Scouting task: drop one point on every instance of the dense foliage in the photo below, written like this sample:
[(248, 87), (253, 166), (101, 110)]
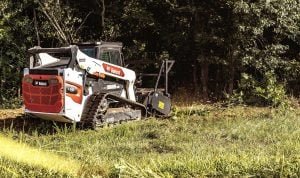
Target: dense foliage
[(248, 50)]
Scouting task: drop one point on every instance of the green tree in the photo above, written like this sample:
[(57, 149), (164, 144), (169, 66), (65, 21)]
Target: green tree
[(267, 32), (15, 36)]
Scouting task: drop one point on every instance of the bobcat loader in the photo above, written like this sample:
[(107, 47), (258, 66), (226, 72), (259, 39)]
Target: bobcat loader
[(89, 83)]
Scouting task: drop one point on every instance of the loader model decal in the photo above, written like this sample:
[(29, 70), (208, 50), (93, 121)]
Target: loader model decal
[(113, 70)]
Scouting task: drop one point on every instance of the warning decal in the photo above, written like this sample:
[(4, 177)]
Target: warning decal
[(161, 105)]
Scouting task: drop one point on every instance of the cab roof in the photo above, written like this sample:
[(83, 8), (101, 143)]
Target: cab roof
[(101, 43)]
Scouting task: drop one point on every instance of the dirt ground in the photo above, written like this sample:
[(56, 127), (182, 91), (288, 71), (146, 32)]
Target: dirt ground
[(10, 113)]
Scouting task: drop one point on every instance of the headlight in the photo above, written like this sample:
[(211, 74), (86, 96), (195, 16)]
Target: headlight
[(53, 81), (74, 91), (71, 89), (27, 79)]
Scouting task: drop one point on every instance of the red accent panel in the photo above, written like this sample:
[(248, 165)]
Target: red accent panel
[(77, 98), (43, 98), (113, 70), (46, 91)]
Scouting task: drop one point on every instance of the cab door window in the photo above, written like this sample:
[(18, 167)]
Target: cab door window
[(111, 56)]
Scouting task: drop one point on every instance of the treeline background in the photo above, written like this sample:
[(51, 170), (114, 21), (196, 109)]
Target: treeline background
[(243, 51)]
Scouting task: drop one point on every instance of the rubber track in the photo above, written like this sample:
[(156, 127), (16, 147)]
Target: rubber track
[(90, 110), (92, 117)]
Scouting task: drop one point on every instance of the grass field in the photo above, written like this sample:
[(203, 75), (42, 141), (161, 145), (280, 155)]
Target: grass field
[(197, 141)]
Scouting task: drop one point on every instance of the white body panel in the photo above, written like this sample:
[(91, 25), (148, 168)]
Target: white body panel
[(47, 59), (73, 110)]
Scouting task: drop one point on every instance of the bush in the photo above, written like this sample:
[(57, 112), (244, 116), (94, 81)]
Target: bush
[(10, 103), (267, 92)]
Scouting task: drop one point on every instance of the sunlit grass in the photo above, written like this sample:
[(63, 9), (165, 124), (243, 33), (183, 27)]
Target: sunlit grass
[(33, 157), (198, 141)]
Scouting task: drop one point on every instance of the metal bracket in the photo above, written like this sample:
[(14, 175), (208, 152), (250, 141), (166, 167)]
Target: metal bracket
[(164, 70)]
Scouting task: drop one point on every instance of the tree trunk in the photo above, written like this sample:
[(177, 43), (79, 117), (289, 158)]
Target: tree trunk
[(36, 28), (204, 79), (1, 77), (103, 14), (231, 80), (55, 23), (231, 73), (195, 78), (217, 88), (101, 5)]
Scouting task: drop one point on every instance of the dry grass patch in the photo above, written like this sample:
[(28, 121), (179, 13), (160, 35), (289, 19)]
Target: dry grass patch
[(10, 113)]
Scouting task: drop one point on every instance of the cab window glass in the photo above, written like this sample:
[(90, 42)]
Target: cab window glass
[(111, 56), (105, 56), (89, 51)]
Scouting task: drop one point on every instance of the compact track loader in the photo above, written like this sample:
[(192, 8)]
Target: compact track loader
[(89, 83)]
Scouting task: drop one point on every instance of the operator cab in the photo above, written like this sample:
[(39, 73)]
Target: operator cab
[(110, 52)]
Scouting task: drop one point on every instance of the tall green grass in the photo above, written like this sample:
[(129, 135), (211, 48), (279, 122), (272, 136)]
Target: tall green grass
[(196, 142)]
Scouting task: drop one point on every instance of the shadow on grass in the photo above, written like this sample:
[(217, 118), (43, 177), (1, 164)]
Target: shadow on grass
[(32, 125)]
